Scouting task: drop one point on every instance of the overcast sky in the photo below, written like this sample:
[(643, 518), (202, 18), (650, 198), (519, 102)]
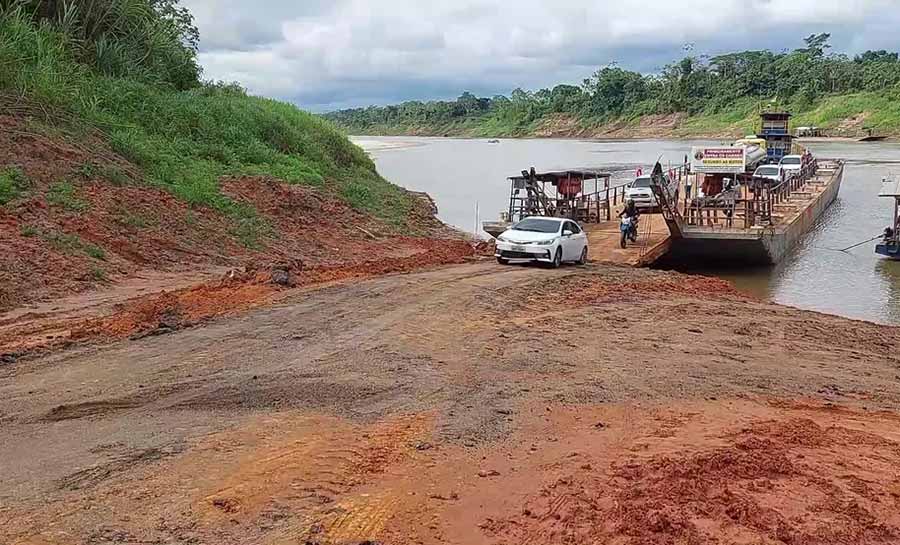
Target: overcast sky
[(328, 54)]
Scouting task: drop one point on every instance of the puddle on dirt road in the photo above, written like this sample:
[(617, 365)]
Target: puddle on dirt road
[(459, 173)]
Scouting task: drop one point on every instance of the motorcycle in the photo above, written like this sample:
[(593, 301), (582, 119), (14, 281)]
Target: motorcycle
[(628, 228)]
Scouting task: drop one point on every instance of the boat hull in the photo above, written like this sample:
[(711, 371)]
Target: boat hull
[(890, 251), (495, 228), (755, 246)]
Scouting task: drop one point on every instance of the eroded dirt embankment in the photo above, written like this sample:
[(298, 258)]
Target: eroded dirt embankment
[(93, 252), (475, 404), (151, 308), (80, 217)]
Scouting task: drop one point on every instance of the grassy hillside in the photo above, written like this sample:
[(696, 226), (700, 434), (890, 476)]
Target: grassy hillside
[(183, 137), (116, 159)]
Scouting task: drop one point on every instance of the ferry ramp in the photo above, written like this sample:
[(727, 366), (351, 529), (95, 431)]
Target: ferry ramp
[(653, 242)]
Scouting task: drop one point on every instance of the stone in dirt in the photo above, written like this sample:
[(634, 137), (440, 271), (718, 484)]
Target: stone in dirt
[(282, 277)]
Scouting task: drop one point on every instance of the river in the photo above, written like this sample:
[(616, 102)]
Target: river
[(464, 174)]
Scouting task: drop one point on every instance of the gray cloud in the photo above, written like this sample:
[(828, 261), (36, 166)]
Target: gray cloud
[(339, 53)]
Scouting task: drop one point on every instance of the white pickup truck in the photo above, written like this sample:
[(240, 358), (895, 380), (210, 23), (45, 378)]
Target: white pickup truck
[(641, 191)]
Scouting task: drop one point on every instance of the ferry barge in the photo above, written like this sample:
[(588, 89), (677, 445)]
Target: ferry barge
[(716, 207)]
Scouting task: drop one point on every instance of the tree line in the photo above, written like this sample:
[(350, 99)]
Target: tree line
[(694, 84)]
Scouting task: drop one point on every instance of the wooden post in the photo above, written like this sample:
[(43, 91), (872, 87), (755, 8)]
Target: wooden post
[(608, 212)]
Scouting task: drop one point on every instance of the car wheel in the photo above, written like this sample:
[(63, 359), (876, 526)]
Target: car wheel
[(502, 261), (557, 259), (584, 256)]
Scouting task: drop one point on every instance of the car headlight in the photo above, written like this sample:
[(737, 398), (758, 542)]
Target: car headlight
[(501, 238), (545, 242)]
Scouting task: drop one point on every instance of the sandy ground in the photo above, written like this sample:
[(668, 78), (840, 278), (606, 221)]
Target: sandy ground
[(469, 404), (374, 144)]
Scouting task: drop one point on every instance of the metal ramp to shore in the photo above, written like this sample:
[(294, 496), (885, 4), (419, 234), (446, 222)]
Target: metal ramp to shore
[(653, 242), (655, 231)]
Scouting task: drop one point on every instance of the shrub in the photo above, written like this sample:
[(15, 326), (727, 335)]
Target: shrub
[(62, 195), (13, 183)]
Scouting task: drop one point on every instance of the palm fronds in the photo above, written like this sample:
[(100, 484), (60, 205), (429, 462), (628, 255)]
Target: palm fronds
[(151, 40)]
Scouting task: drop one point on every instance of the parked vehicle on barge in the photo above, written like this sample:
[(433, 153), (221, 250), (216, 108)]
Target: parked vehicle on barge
[(719, 209), (742, 218)]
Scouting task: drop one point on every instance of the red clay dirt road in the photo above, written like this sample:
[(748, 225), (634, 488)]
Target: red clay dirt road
[(474, 404)]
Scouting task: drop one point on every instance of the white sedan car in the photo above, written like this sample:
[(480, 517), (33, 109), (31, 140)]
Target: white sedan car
[(548, 240), (770, 172)]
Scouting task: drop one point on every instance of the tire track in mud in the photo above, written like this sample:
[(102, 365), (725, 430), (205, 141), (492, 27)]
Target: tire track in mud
[(318, 481), (297, 417), (119, 463)]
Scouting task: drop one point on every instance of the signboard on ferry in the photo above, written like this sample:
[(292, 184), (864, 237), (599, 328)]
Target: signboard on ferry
[(718, 159)]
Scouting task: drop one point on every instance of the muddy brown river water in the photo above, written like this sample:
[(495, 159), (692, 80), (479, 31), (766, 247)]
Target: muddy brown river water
[(464, 174)]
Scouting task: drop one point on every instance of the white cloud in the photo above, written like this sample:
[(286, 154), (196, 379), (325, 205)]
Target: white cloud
[(346, 52)]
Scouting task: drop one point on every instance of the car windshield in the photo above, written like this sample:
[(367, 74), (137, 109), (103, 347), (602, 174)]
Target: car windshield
[(790, 161), (536, 225), (641, 182), (767, 171)]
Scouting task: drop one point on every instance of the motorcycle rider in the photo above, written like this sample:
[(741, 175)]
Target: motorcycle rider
[(631, 211)]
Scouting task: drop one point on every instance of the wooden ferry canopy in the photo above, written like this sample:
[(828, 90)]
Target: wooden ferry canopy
[(890, 188), (554, 176)]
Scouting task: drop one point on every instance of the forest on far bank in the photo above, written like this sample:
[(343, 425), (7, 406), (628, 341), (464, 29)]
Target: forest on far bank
[(716, 94)]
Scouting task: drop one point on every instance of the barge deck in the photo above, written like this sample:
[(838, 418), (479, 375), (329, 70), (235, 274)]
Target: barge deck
[(757, 229), (654, 241), (754, 222)]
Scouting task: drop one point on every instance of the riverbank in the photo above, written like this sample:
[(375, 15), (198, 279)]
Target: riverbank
[(348, 413), (840, 116), (649, 127), (374, 144)]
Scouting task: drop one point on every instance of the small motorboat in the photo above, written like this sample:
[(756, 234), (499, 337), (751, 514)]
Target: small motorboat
[(871, 136), (889, 245), (495, 228)]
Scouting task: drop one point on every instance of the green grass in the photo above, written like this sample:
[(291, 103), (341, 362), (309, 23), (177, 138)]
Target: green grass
[(62, 195), (90, 171), (13, 184), (128, 218), (94, 251), (72, 244), (184, 141), (881, 111), (98, 273), (28, 231)]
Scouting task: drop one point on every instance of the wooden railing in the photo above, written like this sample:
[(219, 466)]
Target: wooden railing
[(752, 203), (782, 191), (598, 206)]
